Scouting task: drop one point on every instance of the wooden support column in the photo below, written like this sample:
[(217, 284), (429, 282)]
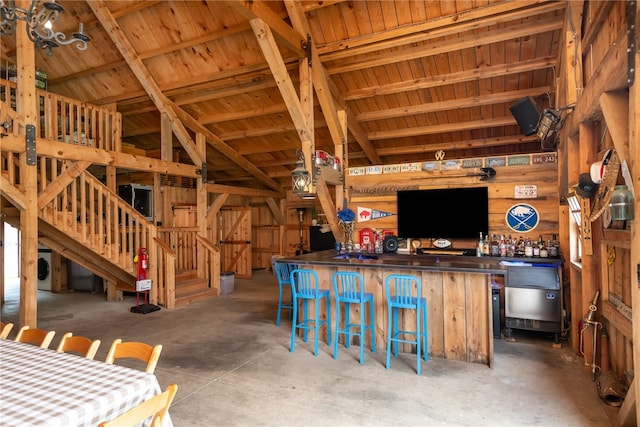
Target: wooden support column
[(590, 268), (306, 104), (634, 261), (341, 153), (28, 111), (201, 206)]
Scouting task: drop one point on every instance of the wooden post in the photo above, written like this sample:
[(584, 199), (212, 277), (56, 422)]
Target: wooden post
[(28, 111)]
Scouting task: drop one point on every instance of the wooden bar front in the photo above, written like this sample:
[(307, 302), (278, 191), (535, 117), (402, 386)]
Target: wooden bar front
[(457, 289)]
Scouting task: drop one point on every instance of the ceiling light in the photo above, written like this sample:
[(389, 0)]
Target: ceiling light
[(301, 178), (40, 18)]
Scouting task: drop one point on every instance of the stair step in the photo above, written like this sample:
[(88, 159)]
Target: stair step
[(195, 296), (182, 275), (192, 285)]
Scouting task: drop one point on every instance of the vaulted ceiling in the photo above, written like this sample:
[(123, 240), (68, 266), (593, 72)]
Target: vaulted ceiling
[(414, 77)]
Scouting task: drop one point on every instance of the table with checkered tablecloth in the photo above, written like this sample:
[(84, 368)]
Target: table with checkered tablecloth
[(41, 387)]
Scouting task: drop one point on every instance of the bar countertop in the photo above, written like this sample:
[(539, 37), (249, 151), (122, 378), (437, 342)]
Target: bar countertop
[(443, 262)]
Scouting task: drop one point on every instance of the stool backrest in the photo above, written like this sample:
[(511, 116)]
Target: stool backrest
[(283, 272), (401, 286), (348, 285), (304, 282)]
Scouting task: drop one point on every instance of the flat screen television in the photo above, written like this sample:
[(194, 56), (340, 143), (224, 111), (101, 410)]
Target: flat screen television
[(450, 213)]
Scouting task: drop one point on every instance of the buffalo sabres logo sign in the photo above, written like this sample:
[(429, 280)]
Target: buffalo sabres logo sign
[(522, 218)]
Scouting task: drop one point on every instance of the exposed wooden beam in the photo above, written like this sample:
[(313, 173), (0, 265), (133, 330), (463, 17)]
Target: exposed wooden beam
[(61, 150), (448, 127), (217, 143), (451, 78), (275, 211), (494, 14), (610, 75), (242, 191), (285, 34), (61, 181), (12, 194), (436, 48), (615, 109), (326, 92), (456, 145), (125, 48), (287, 89), (432, 107)]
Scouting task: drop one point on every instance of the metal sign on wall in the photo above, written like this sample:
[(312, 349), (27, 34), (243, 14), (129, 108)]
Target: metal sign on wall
[(522, 218)]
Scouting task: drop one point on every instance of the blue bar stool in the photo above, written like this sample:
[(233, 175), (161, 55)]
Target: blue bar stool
[(399, 289), (283, 273), (348, 288), (304, 286)]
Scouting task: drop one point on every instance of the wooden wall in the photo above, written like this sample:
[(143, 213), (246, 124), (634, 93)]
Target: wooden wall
[(378, 191)]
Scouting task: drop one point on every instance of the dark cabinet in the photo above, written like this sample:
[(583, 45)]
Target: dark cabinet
[(319, 241)]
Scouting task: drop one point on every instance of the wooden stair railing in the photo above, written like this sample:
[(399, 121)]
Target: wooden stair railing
[(68, 120), (76, 204), (166, 282), (213, 252)]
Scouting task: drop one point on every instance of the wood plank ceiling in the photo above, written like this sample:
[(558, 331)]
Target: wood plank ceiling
[(414, 77)]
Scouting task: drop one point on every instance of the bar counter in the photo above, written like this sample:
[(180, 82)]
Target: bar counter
[(457, 289)]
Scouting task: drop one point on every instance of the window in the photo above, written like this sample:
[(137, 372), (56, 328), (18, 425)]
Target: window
[(575, 228)]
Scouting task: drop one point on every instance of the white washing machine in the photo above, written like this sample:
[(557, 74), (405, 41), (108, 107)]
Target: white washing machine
[(44, 268)]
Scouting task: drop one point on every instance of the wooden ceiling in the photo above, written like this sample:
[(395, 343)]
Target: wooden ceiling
[(414, 77)]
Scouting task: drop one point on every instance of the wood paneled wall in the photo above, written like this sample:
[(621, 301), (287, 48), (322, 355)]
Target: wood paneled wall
[(378, 191)]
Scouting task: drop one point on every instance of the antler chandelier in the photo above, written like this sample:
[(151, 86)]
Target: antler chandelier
[(40, 18)]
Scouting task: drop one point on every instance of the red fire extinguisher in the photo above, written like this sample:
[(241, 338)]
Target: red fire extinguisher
[(143, 266)]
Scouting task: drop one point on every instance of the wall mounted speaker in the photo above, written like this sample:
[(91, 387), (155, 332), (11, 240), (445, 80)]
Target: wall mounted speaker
[(390, 244), (526, 114)]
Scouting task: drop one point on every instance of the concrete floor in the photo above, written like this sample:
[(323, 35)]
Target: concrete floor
[(233, 367)]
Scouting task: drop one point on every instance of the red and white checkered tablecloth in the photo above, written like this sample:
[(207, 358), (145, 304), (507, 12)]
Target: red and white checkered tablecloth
[(44, 388)]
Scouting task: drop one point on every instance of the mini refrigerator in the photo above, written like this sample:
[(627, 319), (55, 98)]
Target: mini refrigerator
[(533, 298)]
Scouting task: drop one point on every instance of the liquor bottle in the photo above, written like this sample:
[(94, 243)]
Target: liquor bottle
[(495, 246), (536, 248), (485, 246), (480, 246), (544, 250), (554, 248), (528, 248), (520, 250), (503, 246), (511, 247)]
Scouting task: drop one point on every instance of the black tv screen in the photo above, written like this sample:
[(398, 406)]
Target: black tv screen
[(451, 213)]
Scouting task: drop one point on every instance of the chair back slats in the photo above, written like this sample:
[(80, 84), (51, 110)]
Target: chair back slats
[(348, 285), (283, 272), (306, 283), (404, 289)]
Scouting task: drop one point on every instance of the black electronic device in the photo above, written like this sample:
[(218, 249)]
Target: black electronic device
[(451, 213), (526, 113), (390, 243)]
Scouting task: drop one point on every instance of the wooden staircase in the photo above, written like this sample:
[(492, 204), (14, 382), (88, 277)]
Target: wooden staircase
[(85, 221), (190, 288)]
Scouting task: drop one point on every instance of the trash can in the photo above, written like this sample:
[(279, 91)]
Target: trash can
[(226, 282)]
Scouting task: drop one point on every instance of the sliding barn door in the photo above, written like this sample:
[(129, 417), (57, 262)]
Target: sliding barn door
[(235, 241)]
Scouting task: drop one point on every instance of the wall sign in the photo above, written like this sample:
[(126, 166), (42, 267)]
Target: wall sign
[(525, 191), (522, 218)]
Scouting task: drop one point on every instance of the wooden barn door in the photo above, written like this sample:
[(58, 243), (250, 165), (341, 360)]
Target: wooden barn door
[(235, 239)]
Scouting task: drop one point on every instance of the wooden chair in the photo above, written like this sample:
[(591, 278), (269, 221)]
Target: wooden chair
[(35, 336), (5, 328), (156, 407), (78, 344), (135, 350)]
